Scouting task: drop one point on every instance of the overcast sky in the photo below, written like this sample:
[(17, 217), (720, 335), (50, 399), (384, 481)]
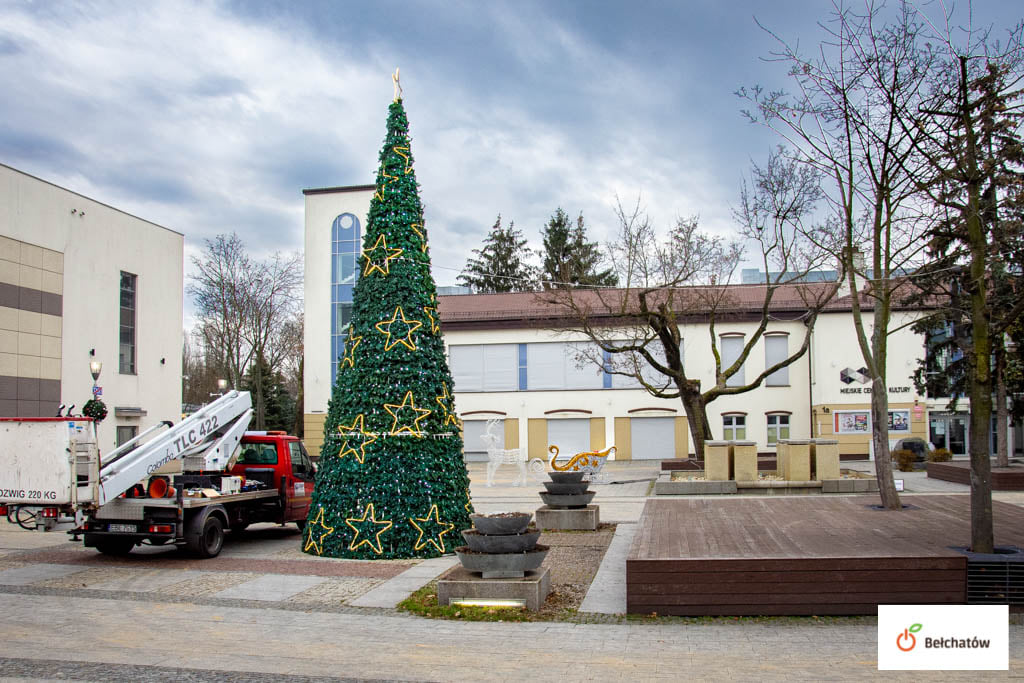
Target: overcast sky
[(211, 117)]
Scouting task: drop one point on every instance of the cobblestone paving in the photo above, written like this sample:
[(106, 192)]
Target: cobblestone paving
[(335, 591), (41, 669), (10, 564), (81, 579), (208, 584)]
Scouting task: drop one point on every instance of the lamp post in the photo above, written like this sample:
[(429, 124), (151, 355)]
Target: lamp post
[(94, 368), (222, 385)]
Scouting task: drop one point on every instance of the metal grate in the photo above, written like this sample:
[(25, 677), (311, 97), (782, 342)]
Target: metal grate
[(995, 581)]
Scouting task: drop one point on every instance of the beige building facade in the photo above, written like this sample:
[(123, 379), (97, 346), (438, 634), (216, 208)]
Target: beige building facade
[(80, 282), (508, 366)]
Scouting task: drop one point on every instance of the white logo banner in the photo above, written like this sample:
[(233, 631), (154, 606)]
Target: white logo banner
[(943, 637)]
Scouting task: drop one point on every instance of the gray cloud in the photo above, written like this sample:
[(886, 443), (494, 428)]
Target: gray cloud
[(211, 118)]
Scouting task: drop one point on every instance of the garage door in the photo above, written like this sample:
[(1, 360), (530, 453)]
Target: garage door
[(571, 437), (653, 438), (473, 445)]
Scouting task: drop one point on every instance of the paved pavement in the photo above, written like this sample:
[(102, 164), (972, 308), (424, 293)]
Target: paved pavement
[(264, 610)]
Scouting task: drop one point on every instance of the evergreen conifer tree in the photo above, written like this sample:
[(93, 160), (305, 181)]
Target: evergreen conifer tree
[(500, 266), (392, 482), (568, 257)]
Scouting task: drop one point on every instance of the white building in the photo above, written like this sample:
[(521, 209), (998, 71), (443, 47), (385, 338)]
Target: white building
[(510, 361), (81, 281)]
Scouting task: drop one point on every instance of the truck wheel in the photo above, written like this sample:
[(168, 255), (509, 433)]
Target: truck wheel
[(301, 523), (210, 540), (115, 546)]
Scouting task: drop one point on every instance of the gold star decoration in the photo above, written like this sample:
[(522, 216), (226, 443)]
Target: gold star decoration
[(365, 528), (423, 238), (351, 430), (349, 357), (398, 149), (312, 541), (381, 262), (404, 339), (407, 404), (469, 503), (430, 311), (435, 537), (445, 401)]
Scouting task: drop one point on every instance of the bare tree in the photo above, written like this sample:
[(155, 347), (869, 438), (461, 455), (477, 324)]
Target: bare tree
[(686, 278), (846, 118), (247, 311)]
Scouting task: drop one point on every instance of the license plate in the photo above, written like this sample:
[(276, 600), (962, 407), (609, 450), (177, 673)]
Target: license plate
[(123, 528)]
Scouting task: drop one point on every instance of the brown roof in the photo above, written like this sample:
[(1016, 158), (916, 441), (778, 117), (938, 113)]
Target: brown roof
[(529, 309)]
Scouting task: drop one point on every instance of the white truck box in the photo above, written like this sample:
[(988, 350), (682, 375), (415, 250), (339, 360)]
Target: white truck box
[(48, 461)]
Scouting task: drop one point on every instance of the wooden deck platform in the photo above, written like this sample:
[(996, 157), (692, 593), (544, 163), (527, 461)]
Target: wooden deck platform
[(779, 556), (959, 471)]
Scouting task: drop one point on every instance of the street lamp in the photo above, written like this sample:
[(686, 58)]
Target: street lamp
[(95, 367), (222, 386)]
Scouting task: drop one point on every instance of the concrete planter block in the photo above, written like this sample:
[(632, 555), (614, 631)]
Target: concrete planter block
[(666, 487), (533, 588), (798, 459), (586, 519), (830, 486), (826, 458), (861, 485), (716, 460), (744, 460), (781, 458)]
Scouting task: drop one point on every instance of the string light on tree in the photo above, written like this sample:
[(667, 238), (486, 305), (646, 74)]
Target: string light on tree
[(385, 456)]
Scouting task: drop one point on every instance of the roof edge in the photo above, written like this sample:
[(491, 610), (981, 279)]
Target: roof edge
[(340, 188)]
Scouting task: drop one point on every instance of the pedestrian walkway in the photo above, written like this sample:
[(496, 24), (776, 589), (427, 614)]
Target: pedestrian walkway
[(607, 594)]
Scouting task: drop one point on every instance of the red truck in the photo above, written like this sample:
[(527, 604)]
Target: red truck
[(230, 478)]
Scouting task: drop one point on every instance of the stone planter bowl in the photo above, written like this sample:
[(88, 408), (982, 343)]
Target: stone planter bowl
[(504, 525), (566, 489), (567, 477), (508, 565), (567, 501), (513, 543)]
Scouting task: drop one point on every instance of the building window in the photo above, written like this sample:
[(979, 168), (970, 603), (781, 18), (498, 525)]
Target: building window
[(734, 427), (345, 242), (554, 365), (732, 349), (127, 331), (126, 433), (485, 367), (776, 350), (778, 428)]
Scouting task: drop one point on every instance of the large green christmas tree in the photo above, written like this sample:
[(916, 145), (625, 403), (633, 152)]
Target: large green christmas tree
[(392, 481)]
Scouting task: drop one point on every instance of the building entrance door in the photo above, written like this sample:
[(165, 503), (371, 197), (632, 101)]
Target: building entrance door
[(948, 431)]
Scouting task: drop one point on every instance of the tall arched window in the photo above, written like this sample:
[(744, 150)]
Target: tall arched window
[(346, 238)]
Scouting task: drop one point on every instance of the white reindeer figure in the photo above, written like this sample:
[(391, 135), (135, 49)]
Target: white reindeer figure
[(498, 456)]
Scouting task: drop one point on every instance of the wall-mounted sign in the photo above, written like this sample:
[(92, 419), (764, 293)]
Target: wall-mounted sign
[(899, 421), (851, 422)]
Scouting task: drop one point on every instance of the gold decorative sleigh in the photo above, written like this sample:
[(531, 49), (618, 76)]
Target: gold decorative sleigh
[(590, 462)]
